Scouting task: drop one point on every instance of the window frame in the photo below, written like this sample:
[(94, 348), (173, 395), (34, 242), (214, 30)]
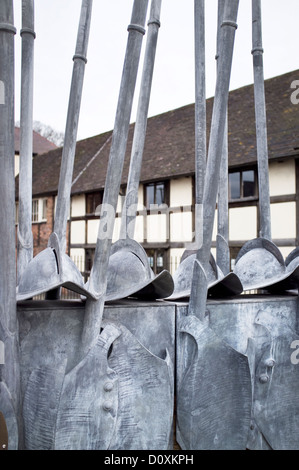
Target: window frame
[(242, 197), (37, 216), (155, 184), (93, 195)]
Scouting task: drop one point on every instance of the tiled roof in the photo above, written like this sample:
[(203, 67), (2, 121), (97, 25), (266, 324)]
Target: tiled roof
[(40, 144), (169, 146)]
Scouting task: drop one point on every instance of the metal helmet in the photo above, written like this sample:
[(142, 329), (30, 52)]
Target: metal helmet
[(129, 274), (49, 270), (291, 281), (260, 265), (218, 284)]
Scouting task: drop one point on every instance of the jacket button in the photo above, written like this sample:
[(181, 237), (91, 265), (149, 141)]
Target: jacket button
[(107, 405), (270, 362), (263, 378), (108, 386)]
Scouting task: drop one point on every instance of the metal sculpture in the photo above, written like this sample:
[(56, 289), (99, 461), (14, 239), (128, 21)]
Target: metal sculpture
[(52, 268), (10, 405), (98, 278), (74, 378), (219, 283), (204, 421), (222, 253), (260, 263), (25, 238), (129, 273)]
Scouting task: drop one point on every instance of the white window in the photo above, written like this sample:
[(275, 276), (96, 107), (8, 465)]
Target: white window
[(39, 210)]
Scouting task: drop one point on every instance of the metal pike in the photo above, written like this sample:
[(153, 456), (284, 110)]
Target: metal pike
[(220, 283), (68, 376), (10, 402), (259, 263), (207, 357), (44, 274), (25, 237), (107, 425), (129, 273)]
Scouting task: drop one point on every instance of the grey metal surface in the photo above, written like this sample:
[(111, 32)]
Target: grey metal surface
[(98, 276), (199, 285), (129, 274), (9, 367), (260, 265), (25, 237), (218, 284), (222, 253), (261, 121), (229, 284), (262, 252), (276, 400), (128, 269), (72, 121), (69, 406), (264, 330), (33, 277), (128, 219), (200, 112), (49, 270), (214, 392)]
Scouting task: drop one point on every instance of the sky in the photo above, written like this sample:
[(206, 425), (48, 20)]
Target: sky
[(56, 25)]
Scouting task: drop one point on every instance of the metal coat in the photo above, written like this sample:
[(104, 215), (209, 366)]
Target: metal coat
[(120, 396), (214, 395)]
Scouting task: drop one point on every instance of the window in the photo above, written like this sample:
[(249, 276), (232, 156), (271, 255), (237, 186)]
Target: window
[(242, 184), (157, 259), (155, 193), (39, 210), (93, 200)]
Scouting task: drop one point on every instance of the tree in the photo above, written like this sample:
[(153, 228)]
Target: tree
[(48, 132)]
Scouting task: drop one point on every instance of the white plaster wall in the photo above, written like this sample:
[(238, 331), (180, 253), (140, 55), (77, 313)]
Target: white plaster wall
[(156, 228), (286, 250), (282, 178), (78, 205), (283, 220), (242, 223), (78, 232), (181, 192), (92, 230), (181, 227), (138, 235)]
